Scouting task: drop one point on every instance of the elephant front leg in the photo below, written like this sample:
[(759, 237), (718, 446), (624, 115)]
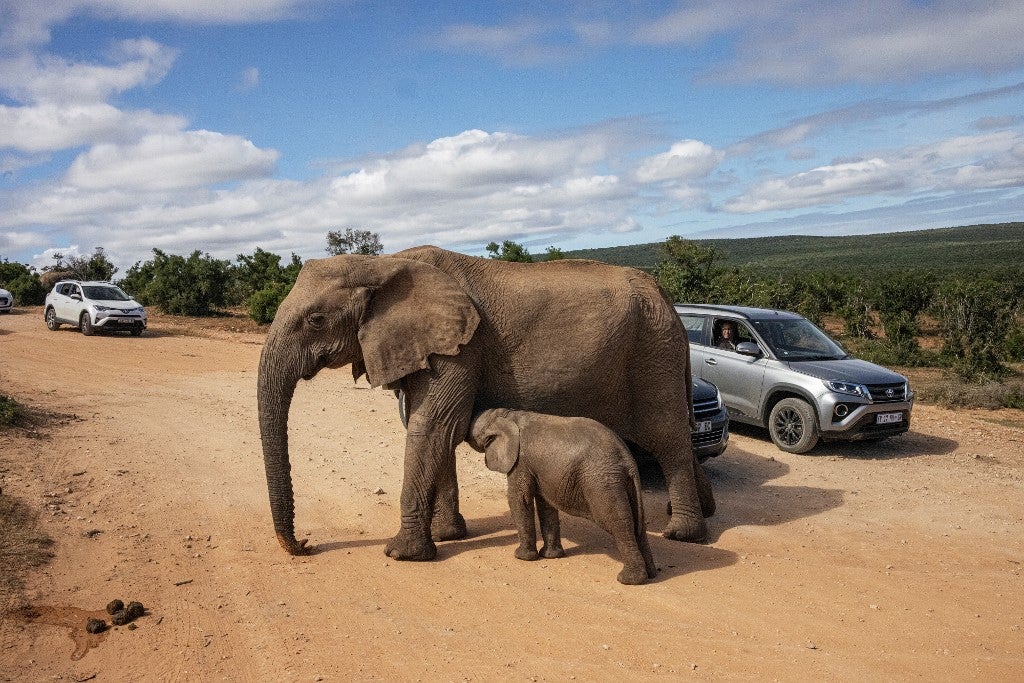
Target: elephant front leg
[(419, 494), (447, 524), (520, 504)]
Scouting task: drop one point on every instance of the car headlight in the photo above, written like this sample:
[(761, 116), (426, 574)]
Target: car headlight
[(851, 388), (718, 397), (104, 308)]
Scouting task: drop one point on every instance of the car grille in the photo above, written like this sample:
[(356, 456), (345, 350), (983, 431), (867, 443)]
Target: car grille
[(888, 393), (705, 410), (708, 438)]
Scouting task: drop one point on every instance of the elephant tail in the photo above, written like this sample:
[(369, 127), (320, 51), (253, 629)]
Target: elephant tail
[(636, 502)]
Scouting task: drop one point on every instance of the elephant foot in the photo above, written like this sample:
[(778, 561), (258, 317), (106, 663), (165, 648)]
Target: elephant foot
[(294, 547), (526, 553), (410, 548), (449, 530), (686, 529), (633, 576), (552, 552)]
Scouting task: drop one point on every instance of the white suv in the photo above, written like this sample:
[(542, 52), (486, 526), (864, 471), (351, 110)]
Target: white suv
[(93, 306)]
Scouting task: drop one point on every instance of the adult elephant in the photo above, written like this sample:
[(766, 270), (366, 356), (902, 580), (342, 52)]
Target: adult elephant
[(458, 334)]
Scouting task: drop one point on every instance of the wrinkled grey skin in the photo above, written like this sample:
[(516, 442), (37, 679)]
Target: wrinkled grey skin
[(459, 334), (572, 464)]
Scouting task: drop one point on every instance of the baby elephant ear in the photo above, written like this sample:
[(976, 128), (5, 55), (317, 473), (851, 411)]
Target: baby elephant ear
[(415, 310), (501, 445)]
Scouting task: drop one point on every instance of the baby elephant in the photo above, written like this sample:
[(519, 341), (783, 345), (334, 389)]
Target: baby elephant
[(573, 464)]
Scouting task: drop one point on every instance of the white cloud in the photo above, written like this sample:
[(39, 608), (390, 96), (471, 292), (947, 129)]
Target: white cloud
[(250, 79), (962, 163), (49, 128), (27, 23), (170, 162), (686, 160)]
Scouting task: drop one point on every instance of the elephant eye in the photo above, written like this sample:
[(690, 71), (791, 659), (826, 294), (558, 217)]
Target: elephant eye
[(315, 320)]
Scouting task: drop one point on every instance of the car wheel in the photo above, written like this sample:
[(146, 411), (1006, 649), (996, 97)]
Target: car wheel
[(793, 426), (51, 319), (85, 324)]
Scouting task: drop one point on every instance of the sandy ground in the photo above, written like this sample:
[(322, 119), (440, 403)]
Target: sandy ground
[(899, 560)]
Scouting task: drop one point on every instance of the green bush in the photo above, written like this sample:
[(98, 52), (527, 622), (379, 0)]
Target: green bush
[(263, 304), (180, 286), (975, 320), (10, 412), (22, 283)]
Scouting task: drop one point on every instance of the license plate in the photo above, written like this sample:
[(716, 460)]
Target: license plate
[(125, 320), (703, 426), (888, 418)]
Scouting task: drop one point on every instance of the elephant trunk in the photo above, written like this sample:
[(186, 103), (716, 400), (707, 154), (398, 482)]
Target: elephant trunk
[(274, 391)]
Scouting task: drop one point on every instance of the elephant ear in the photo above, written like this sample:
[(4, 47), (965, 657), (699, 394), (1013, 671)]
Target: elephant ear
[(501, 442), (414, 311)]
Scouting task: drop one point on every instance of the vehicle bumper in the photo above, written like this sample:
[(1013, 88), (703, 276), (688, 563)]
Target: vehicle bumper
[(120, 322), (713, 442), (861, 420)]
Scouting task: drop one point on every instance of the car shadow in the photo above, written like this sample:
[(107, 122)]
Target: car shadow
[(909, 445)]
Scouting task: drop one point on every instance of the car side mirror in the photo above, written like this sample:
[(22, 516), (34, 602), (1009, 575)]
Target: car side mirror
[(76, 297), (749, 349)]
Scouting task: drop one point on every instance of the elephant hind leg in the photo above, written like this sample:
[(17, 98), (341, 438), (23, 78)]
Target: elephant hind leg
[(550, 530), (689, 489)]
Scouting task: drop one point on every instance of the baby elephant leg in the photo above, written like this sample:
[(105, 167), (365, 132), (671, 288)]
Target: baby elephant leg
[(620, 522), (550, 530), (520, 504)]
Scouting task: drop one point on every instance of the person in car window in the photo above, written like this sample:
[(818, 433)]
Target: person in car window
[(727, 336)]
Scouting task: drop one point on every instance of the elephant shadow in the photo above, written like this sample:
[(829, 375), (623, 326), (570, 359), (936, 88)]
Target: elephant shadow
[(743, 494)]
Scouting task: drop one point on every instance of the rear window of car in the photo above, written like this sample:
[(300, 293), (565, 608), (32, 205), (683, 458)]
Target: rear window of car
[(695, 325)]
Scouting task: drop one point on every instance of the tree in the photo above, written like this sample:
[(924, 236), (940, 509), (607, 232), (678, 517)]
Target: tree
[(262, 284), (975, 318), (509, 251), (94, 267), (687, 270), (354, 242), (554, 254), (22, 283), (899, 299), (178, 285)]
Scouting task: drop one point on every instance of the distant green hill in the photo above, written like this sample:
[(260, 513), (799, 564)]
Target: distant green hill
[(973, 247)]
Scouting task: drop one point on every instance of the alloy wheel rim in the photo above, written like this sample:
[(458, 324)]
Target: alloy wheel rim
[(789, 427)]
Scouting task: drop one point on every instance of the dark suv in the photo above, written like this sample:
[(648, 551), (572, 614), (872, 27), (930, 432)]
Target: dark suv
[(776, 369)]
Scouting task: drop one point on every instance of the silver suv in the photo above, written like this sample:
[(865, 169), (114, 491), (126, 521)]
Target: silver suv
[(93, 306), (776, 369)]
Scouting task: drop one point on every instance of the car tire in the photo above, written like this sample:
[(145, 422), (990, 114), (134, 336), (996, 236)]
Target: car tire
[(793, 426), (85, 324), (51, 320)]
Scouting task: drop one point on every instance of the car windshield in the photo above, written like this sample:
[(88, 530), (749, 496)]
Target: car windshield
[(796, 340), (105, 293)]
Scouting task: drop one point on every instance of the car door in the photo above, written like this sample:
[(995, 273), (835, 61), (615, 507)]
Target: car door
[(62, 302), (696, 329), (740, 378)]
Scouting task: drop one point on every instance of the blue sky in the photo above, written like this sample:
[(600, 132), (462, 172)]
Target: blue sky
[(223, 126)]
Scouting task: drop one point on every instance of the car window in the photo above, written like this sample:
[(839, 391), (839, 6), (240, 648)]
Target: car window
[(742, 333), (799, 339), (105, 293), (694, 325)]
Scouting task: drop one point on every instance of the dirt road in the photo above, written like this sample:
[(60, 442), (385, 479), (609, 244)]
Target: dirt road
[(859, 562)]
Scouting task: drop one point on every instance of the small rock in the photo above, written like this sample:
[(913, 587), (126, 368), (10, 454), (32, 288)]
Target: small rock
[(120, 618), (379, 492), (92, 533), (114, 606), (810, 645), (95, 625)]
